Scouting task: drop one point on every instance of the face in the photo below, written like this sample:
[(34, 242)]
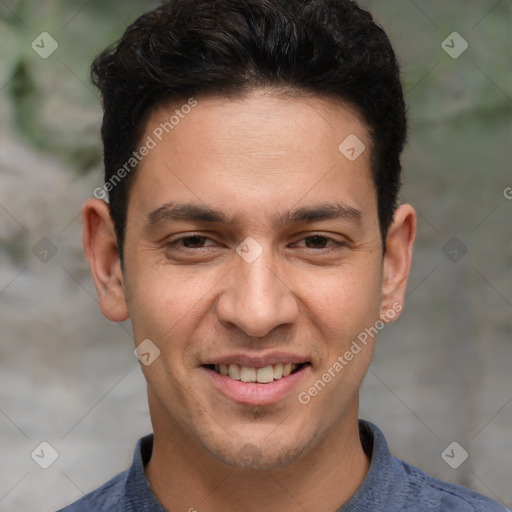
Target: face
[(252, 242)]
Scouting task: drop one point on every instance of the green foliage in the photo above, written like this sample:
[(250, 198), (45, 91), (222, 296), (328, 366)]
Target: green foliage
[(22, 92)]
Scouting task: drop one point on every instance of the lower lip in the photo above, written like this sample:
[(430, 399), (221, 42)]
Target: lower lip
[(254, 393)]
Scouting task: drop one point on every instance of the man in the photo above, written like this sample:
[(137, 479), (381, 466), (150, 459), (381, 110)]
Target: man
[(252, 236)]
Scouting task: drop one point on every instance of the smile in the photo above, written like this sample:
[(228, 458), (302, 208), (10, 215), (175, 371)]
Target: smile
[(263, 375), (250, 385)]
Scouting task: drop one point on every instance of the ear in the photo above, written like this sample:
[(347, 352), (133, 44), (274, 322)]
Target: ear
[(397, 262), (101, 250)]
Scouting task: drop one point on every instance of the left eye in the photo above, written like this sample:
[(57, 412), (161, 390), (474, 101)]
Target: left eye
[(319, 241)]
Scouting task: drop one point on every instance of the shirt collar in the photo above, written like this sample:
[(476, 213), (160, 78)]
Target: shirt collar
[(137, 495), (384, 476)]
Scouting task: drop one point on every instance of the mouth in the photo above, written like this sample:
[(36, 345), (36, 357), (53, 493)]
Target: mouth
[(256, 385), (264, 375)]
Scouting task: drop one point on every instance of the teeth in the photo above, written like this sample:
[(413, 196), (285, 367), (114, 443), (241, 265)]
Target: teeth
[(234, 371), (262, 375), (265, 374), (247, 374), (278, 371)]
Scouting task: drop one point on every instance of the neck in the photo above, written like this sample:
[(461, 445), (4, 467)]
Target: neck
[(183, 476)]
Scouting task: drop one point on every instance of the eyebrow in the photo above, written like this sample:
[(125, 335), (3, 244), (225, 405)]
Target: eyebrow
[(303, 215)]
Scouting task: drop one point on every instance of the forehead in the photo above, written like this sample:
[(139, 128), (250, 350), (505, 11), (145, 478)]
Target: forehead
[(257, 154)]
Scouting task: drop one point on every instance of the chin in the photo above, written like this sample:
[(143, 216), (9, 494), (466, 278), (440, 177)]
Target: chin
[(259, 455)]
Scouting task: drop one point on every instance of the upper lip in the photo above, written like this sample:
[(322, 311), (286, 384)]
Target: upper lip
[(257, 360)]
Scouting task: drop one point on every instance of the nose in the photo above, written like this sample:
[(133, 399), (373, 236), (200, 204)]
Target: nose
[(256, 298)]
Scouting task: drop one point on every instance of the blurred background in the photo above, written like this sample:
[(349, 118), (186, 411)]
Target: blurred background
[(440, 375)]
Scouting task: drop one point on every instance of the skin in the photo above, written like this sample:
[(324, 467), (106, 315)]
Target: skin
[(253, 158)]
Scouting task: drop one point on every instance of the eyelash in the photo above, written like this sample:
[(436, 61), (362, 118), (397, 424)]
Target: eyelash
[(335, 243)]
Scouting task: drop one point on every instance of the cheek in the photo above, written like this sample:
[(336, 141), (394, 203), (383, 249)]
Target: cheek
[(163, 303), (346, 299)]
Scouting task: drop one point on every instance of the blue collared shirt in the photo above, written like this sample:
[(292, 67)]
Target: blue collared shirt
[(390, 485)]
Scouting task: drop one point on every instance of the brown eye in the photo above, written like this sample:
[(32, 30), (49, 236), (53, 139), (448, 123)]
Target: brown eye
[(317, 241), (189, 242), (192, 242), (320, 244)]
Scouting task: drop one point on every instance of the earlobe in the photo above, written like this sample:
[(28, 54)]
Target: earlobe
[(397, 261), (100, 247)]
